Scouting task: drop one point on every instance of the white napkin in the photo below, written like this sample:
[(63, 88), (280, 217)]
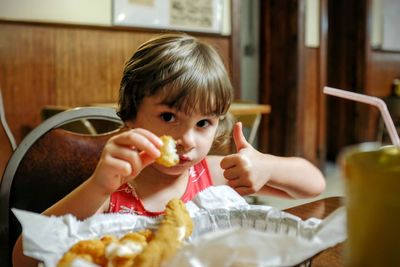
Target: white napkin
[(224, 225)]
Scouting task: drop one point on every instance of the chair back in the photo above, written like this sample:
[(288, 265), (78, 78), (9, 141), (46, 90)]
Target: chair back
[(7, 139), (48, 164)]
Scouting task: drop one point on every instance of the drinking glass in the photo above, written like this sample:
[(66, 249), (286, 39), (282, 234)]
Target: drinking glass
[(372, 181)]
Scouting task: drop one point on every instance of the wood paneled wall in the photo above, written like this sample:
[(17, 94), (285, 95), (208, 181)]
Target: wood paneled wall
[(381, 68), (345, 56), (50, 64), (278, 66), (292, 77), (355, 66), (303, 121)]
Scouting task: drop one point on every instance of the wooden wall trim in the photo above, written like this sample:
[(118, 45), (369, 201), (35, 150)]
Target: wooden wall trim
[(133, 29), (308, 96), (323, 79), (236, 47), (311, 113)]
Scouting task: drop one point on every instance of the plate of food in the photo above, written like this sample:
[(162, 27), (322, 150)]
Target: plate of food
[(199, 233)]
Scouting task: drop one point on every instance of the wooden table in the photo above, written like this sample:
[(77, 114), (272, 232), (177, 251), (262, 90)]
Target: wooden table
[(331, 257), (250, 115), (238, 109)]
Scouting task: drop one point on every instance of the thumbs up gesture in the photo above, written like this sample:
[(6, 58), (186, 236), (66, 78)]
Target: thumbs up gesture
[(240, 169)]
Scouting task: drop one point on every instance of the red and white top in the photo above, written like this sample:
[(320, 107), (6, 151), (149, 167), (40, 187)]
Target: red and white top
[(125, 199)]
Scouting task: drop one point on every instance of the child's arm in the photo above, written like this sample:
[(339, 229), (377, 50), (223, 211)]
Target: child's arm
[(250, 171), (122, 159)]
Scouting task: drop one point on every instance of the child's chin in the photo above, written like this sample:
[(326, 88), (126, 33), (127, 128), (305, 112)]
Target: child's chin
[(174, 170)]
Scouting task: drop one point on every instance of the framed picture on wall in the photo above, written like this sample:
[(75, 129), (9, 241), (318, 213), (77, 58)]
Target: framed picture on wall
[(210, 16), (385, 32)]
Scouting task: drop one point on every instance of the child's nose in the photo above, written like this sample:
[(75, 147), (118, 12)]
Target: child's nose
[(186, 141)]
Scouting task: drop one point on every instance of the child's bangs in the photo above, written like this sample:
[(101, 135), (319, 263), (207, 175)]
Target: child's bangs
[(190, 94)]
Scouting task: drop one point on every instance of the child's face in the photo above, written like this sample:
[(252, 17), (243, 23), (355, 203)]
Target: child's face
[(194, 133)]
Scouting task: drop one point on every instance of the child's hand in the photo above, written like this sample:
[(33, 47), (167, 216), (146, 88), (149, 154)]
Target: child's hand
[(242, 170), (124, 156)]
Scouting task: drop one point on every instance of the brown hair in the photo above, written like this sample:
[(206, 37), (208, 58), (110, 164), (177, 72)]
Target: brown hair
[(188, 73)]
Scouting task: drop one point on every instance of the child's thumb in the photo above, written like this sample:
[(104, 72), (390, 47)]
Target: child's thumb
[(238, 137)]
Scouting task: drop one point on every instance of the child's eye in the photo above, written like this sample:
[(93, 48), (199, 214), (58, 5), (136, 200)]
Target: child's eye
[(168, 117), (203, 123)]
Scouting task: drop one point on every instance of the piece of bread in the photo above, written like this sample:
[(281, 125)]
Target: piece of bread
[(168, 157)]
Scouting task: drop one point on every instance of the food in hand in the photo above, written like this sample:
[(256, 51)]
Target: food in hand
[(142, 248), (168, 157)]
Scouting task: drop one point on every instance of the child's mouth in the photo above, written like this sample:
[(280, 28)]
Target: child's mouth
[(183, 159)]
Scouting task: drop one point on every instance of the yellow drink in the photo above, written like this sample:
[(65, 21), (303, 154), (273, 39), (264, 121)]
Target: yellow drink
[(373, 206)]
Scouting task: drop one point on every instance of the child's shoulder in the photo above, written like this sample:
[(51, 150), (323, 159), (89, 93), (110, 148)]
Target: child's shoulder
[(213, 161), (214, 166)]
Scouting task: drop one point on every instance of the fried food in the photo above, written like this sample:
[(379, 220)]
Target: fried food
[(175, 227), (123, 252), (88, 250), (168, 157), (143, 248)]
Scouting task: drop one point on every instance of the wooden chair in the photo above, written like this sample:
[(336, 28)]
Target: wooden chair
[(4, 124), (85, 126), (7, 139), (48, 164)]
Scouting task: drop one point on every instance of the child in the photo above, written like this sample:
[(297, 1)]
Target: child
[(177, 85)]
